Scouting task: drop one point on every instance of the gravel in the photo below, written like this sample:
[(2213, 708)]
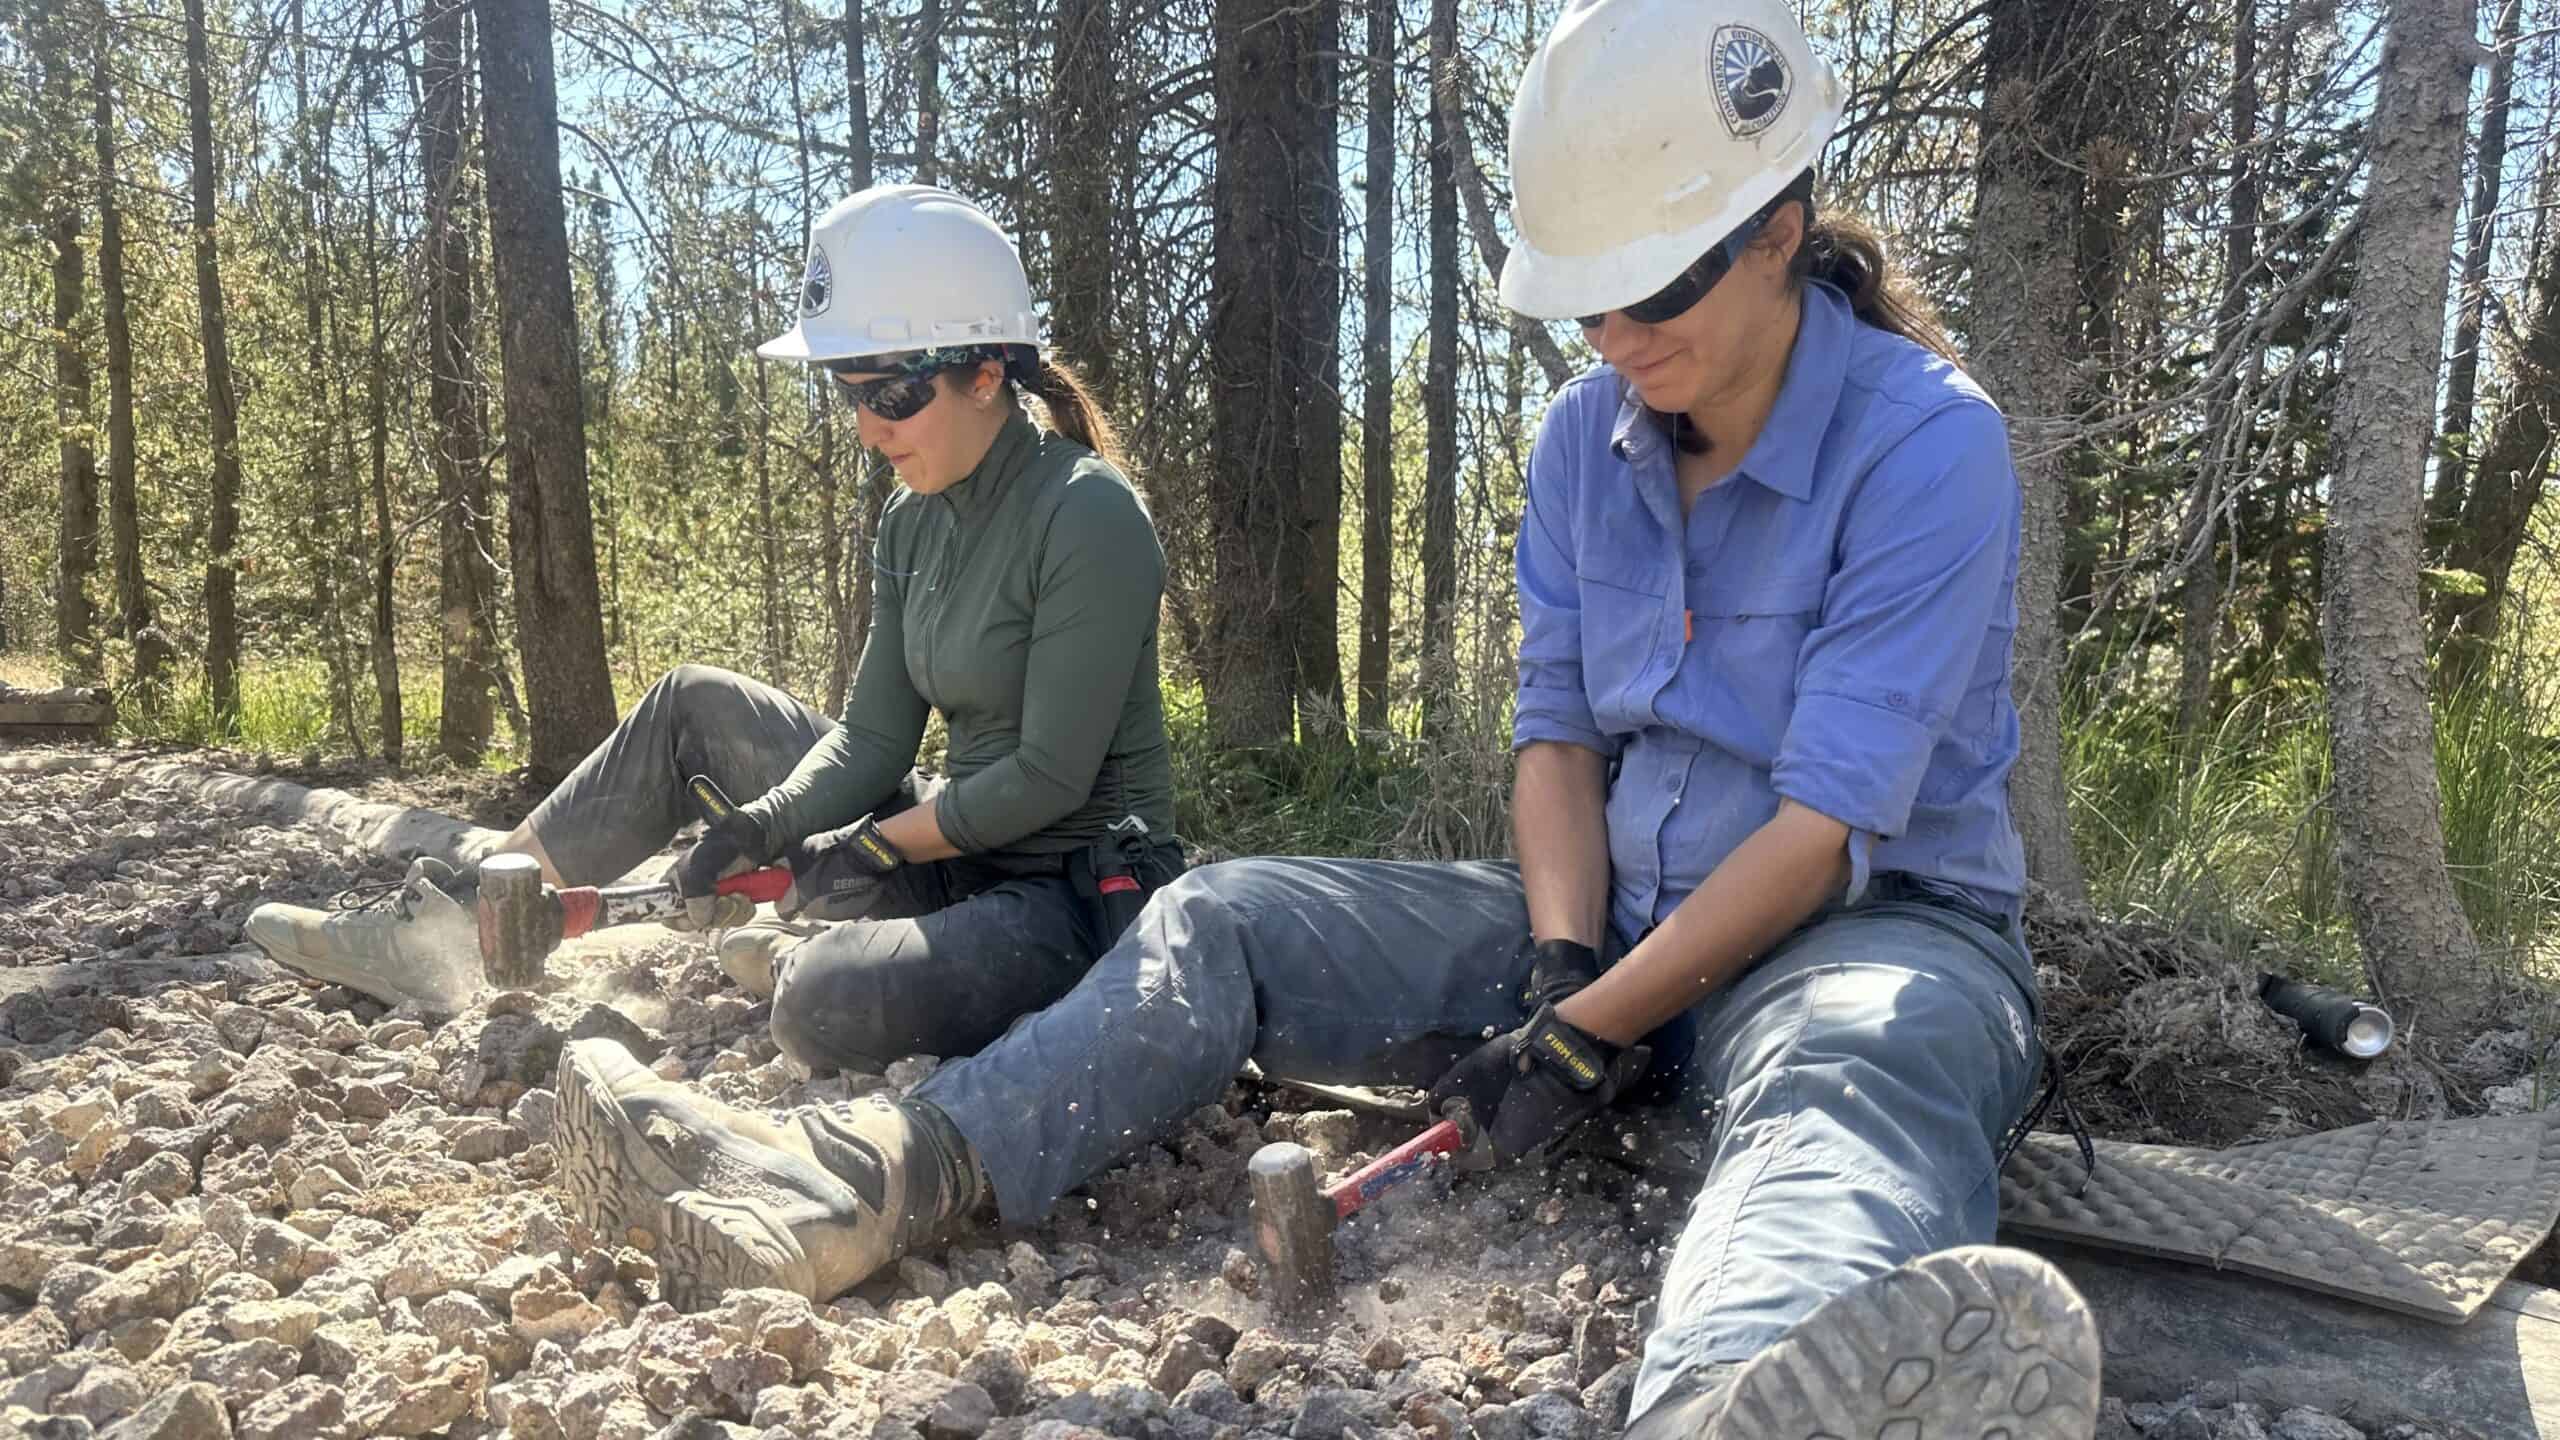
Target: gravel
[(236, 1204)]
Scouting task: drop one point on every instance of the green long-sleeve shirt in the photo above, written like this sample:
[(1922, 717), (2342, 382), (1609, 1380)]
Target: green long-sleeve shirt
[(1021, 603)]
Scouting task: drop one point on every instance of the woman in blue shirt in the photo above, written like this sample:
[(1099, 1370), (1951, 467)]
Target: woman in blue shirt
[(1763, 736)]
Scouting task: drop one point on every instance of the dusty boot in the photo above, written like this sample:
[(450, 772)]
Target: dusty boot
[(727, 1199), (417, 945), (1964, 1343), (748, 953)]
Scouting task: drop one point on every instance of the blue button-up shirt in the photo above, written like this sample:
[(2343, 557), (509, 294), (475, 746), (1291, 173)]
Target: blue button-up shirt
[(1830, 624)]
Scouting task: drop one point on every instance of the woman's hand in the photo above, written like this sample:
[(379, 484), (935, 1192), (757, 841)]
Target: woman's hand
[(733, 845), (838, 874)]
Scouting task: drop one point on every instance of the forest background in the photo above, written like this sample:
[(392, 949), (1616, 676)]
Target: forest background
[(375, 381)]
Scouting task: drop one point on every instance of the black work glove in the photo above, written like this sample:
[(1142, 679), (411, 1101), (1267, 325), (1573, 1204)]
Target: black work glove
[(1529, 1088), (1558, 969), (838, 874), (732, 845)]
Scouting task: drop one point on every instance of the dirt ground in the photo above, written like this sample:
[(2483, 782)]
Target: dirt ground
[(234, 1203)]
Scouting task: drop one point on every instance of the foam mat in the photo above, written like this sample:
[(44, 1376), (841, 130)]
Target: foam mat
[(2422, 1217)]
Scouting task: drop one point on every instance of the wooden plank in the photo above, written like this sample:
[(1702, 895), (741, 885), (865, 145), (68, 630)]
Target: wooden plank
[(2172, 1329)]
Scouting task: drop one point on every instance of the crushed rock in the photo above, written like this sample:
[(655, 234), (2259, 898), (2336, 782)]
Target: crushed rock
[(234, 1203)]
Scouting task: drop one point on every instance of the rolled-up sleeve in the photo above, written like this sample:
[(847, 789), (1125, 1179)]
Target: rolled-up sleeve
[(1925, 560), (1551, 703)]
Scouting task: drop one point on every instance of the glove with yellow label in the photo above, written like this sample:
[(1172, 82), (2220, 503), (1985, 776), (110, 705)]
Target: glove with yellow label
[(1530, 1087), (838, 875)]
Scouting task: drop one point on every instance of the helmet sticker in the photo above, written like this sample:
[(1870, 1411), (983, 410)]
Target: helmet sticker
[(1750, 78), (819, 288)]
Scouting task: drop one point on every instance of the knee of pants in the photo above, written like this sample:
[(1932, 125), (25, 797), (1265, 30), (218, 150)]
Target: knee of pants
[(1903, 1065), (821, 1017)]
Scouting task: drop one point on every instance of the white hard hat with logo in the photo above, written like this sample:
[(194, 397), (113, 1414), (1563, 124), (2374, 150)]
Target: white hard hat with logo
[(907, 267), (1644, 132)]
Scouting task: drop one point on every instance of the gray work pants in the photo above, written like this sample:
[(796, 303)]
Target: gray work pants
[(1869, 1065), (951, 953)]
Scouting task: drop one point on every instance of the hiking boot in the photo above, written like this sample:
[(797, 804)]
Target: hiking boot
[(749, 952), (416, 944), (1956, 1345), (726, 1199)]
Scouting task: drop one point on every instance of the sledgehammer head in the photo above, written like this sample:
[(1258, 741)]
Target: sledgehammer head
[(520, 921), (1292, 1227)]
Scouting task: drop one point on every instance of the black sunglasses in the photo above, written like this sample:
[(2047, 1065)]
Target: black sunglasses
[(1689, 286), (892, 397)]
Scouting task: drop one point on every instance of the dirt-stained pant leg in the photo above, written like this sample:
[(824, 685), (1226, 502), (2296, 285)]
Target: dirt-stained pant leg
[(627, 797), (942, 969), (1343, 970), (1869, 1069)]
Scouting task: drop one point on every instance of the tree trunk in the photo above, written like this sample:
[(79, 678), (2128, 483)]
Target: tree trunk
[(124, 510), (221, 572), (384, 645), (1082, 230), (2418, 947), (2445, 503), (1319, 218), (550, 526), (876, 480), (849, 597), (777, 653), (1265, 368), (2024, 303), (467, 581), (2223, 454), (1377, 359), (320, 543), (75, 626), (857, 100), (1438, 678), (928, 89), (2498, 512)]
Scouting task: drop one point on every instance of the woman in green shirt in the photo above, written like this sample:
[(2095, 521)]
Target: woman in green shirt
[(1016, 580)]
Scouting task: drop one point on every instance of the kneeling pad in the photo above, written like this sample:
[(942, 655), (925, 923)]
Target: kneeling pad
[(2424, 1217)]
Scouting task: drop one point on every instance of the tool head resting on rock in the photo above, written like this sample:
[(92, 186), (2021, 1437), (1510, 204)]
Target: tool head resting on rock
[(520, 921)]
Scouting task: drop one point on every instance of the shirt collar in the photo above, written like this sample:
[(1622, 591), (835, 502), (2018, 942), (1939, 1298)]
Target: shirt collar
[(986, 485), (1782, 458)]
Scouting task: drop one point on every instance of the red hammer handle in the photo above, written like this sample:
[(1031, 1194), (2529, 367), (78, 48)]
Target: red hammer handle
[(581, 906), (1370, 1181), (762, 886)]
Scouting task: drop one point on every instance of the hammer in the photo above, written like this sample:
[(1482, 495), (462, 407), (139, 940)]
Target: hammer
[(523, 920), (1293, 1221)]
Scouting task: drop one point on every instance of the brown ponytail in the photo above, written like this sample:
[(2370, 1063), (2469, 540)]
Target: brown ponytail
[(1848, 254), (1073, 412)]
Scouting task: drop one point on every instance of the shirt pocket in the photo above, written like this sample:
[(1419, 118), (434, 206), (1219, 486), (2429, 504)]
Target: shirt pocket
[(1621, 626), (1750, 634)]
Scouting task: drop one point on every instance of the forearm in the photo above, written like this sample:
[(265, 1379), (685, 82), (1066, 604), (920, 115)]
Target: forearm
[(1560, 829), (917, 833), (1767, 887)]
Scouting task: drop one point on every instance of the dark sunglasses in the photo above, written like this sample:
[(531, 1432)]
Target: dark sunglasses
[(1689, 286), (892, 397)]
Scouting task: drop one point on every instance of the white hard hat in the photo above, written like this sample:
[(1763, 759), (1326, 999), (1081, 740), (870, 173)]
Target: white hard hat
[(1645, 131), (907, 267)]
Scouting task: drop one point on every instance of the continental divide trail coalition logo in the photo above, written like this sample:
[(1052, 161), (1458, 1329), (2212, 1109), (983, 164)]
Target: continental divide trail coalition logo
[(1750, 77), (815, 291)]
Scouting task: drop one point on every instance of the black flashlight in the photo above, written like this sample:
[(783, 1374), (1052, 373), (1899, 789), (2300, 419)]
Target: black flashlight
[(2330, 1018)]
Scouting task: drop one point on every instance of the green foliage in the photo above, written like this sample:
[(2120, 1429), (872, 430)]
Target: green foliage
[(2232, 832)]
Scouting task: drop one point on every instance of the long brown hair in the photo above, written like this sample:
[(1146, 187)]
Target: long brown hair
[(1073, 410), (1848, 254)]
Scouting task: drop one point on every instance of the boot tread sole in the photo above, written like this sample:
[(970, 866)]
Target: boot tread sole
[(1963, 1344), (704, 1246)]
